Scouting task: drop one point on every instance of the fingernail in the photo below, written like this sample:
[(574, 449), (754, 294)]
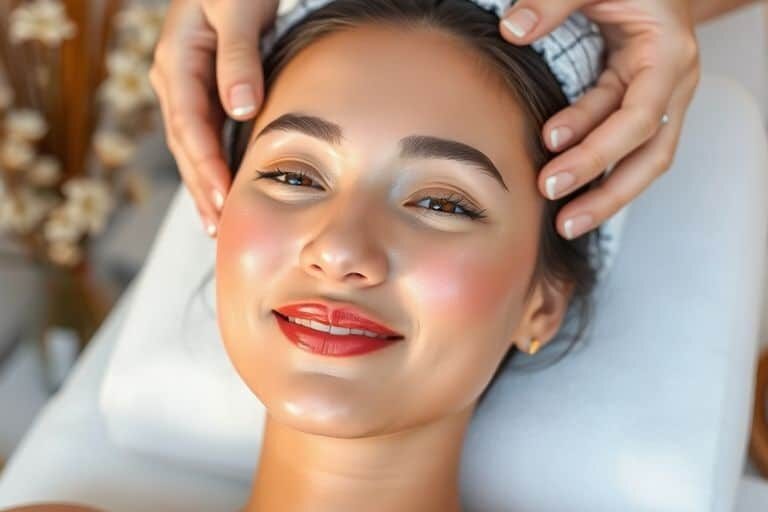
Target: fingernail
[(521, 22), (210, 228), (218, 199), (560, 135), (242, 100), (578, 225), (558, 183)]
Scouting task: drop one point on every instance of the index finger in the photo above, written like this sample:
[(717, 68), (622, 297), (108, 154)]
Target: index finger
[(195, 120)]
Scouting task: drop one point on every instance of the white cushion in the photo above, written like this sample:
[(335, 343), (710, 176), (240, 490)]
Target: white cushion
[(651, 413), (170, 387), (66, 455)]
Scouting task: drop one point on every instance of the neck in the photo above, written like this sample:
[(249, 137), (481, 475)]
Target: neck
[(410, 470)]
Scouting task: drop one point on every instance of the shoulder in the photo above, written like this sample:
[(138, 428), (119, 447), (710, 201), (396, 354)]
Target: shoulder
[(53, 507)]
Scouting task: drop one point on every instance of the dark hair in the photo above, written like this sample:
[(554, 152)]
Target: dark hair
[(529, 80)]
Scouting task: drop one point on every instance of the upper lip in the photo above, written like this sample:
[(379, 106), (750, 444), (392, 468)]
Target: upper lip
[(337, 314)]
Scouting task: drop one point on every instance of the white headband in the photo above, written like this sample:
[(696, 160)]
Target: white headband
[(573, 51)]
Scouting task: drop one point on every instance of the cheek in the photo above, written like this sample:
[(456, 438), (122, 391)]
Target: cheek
[(467, 302), (250, 246), (472, 284), (249, 242)]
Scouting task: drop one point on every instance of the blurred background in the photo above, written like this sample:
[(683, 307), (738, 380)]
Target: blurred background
[(85, 176)]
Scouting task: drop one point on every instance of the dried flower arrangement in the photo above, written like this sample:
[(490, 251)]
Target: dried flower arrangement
[(75, 97)]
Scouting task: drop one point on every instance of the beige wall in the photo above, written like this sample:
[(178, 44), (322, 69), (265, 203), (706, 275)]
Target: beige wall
[(736, 45)]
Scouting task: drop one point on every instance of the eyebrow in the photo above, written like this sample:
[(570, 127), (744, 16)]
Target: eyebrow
[(413, 146)]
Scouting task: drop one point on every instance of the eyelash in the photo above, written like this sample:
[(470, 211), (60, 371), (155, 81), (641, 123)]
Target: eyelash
[(456, 199)]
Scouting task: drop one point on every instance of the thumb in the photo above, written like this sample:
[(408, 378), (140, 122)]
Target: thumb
[(238, 61), (528, 20)]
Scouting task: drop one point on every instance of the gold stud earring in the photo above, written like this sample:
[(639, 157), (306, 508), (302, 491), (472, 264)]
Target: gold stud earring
[(534, 346)]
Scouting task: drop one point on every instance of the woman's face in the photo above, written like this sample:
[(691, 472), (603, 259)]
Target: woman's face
[(397, 121)]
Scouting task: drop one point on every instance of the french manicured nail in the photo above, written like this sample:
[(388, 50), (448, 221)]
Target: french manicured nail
[(558, 183), (521, 22), (218, 200), (578, 225), (210, 228), (242, 100), (560, 135)]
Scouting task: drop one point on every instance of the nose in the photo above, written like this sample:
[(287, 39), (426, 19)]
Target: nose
[(346, 251)]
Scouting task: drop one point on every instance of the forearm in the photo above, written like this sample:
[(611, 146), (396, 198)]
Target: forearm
[(705, 10)]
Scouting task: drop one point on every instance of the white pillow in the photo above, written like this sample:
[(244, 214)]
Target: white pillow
[(170, 386)]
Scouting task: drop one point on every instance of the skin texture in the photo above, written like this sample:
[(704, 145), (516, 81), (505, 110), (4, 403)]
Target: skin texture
[(390, 423)]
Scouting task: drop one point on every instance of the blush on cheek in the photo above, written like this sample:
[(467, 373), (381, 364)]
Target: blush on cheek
[(468, 286), (249, 244)]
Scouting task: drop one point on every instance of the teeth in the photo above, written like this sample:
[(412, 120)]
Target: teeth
[(319, 326), (332, 329), (339, 330)]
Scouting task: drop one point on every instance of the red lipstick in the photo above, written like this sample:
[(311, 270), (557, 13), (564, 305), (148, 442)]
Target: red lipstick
[(333, 316)]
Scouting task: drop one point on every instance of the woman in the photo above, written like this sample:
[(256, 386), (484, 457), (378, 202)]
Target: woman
[(373, 193), (383, 249)]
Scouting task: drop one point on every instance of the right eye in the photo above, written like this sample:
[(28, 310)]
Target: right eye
[(291, 178)]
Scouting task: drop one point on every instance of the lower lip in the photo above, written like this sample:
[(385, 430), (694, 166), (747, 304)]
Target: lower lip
[(329, 344)]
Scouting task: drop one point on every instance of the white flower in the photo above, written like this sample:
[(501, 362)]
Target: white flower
[(137, 16), (142, 24), (6, 96), (121, 61), (90, 202), (27, 124), (63, 225), (23, 211), (65, 254), (113, 148), (41, 20), (45, 171), (127, 86), (16, 154)]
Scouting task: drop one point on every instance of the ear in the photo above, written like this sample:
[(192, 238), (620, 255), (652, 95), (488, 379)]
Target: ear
[(543, 314)]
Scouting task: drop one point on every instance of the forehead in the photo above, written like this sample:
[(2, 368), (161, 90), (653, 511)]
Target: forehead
[(383, 83)]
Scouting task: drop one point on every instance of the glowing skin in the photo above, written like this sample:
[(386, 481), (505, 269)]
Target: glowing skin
[(389, 424)]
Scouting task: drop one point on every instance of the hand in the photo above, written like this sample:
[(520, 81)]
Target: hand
[(196, 34), (652, 68)]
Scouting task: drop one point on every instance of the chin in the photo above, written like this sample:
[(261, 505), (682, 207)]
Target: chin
[(326, 412)]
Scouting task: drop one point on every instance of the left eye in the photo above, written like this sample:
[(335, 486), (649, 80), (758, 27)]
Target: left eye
[(293, 178), (453, 204)]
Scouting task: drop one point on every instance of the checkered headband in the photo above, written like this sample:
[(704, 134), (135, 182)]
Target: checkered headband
[(573, 51)]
